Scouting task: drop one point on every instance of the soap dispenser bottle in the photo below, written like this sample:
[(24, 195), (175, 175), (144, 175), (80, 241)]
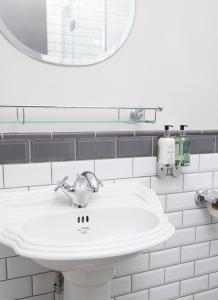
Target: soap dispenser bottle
[(183, 148), (166, 152)]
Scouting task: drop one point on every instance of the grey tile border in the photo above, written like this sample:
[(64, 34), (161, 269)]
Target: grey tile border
[(209, 132), (12, 152), (26, 136), (64, 146), (114, 133), (134, 146), (52, 150), (149, 133), (95, 148), (73, 134)]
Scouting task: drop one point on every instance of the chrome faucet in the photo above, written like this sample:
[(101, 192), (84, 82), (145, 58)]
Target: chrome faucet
[(206, 196), (79, 193)]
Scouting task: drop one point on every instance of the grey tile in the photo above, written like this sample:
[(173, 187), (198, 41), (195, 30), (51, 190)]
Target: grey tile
[(194, 132), (14, 152), (52, 150), (203, 144), (149, 133), (154, 144), (95, 148), (210, 132), (114, 133), (26, 136), (73, 134), (134, 146)]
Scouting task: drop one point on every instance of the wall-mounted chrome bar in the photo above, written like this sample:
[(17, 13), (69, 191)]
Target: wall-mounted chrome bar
[(137, 114)]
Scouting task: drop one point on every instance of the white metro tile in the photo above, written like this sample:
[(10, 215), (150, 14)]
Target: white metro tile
[(156, 248), (179, 272), (43, 283), (12, 190), (139, 263), (214, 248), (165, 292), (16, 288), (20, 266), (181, 237), (194, 285), (209, 162), (27, 174), (2, 269), (144, 166), (147, 280), (6, 251), (162, 199), (208, 295), (194, 166), (143, 295), (196, 251), (181, 201), (196, 217), (113, 168), (175, 218), (213, 280), (42, 187), (198, 181), (120, 286), (206, 233), (207, 265), (164, 258), (143, 180), (70, 169), (168, 184)]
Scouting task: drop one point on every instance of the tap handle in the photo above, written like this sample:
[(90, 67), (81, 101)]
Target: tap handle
[(61, 183)]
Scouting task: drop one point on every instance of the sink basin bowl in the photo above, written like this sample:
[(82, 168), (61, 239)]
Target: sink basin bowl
[(85, 244)]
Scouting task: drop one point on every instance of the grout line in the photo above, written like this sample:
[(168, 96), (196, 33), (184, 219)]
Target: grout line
[(32, 284), (75, 150), (115, 147), (6, 268), (3, 175), (30, 152), (51, 170)]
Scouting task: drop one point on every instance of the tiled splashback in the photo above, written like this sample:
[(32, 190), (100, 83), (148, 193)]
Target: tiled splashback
[(183, 268), (48, 147)]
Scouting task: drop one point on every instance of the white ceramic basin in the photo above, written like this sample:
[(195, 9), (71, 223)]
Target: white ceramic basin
[(119, 221)]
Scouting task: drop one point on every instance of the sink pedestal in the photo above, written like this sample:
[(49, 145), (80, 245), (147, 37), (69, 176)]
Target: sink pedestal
[(88, 285)]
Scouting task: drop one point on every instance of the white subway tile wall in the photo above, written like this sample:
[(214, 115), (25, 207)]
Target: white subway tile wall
[(183, 268)]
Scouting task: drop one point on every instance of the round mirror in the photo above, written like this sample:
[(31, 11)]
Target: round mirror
[(67, 32)]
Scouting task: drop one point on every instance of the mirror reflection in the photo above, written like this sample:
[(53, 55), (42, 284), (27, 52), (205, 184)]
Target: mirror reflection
[(69, 32)]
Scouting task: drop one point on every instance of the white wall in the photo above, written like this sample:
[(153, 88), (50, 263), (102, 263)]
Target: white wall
[(170, 59)]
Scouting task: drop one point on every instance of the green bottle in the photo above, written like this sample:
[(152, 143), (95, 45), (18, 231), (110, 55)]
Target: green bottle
[(183, 148)]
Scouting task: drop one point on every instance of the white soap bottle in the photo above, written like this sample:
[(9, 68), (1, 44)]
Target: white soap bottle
[(166, 149)]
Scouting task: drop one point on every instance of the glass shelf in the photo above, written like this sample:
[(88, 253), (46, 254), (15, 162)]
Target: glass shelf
[(133, 115)]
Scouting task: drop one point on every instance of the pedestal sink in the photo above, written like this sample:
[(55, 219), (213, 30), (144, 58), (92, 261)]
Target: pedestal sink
[(85, 244)]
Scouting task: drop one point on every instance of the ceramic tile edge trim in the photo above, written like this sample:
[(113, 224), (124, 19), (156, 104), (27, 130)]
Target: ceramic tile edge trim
[(93, 145)]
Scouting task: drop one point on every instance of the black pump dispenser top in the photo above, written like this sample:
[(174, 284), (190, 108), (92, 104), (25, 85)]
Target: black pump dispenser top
[(167, 128), (182, 127)]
